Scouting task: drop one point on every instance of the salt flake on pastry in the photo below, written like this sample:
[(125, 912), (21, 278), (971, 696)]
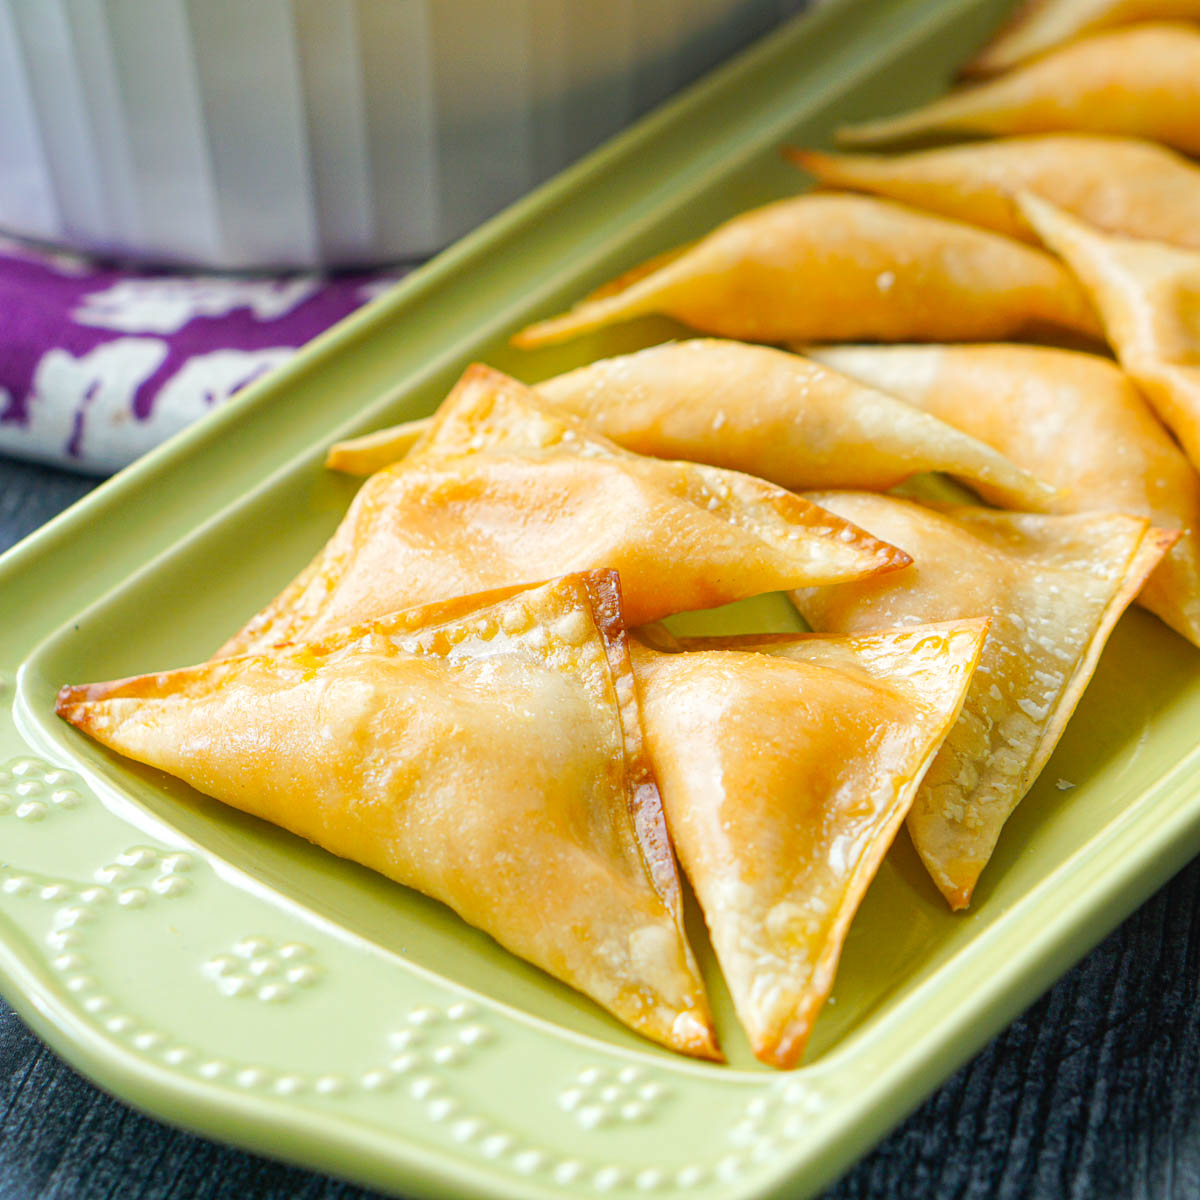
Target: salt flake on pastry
[(1142, 80), (1076, 420), (787, 765), (831, 267), (749, 408), (486, 753), (1120, 184), (1053, 587), (501, 489)]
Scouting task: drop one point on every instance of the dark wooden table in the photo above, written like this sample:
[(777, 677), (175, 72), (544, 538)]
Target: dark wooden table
[(1093, 1093)]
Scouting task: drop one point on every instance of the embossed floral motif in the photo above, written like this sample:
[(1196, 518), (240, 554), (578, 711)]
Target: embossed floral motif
[(142, 871), (259, 967), (601, 1096), (32, 789)]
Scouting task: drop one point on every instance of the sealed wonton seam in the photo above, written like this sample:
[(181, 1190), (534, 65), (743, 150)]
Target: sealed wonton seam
[(604, 591), (337, 740)]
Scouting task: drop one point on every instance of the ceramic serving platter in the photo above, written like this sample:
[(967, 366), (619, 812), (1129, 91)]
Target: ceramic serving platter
[(226, 976)]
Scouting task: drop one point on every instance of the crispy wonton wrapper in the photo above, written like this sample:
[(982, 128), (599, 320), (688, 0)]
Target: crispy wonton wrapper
[(1053, 587), (1148, 295), (1122, 185), (833, 267), (1143, 81), (504, 490), (1074, 419), (787, 765), (1040, 25), (748, 408), (487, 753)]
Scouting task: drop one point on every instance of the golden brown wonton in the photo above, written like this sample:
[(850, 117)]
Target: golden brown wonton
[(830, 266), (503, 490), (1053, 587), (485, 752), (1140, 80), (1148, 294), (1073, 419), (1040, 25), (787, 765), (748, 408), (1123, 185)]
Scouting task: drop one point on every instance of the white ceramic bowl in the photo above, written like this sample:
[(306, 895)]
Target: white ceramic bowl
[(270, 133)]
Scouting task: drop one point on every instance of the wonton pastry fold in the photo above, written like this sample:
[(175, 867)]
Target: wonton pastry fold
[(753, 409), (1053, 587), (485, 753), (832, 267), (1073, 419), (1143, 81), (1123, 185), (503, 490), (1148, 294), (1040, 25), (785, 775)]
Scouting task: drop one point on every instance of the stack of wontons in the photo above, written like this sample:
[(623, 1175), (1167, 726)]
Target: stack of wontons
[(468, 691)]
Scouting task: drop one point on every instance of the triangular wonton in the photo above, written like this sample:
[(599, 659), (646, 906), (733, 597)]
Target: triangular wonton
[(1148, 295), (1040, 25), (748, 408), (1073, 419), (503, 490), (492, 761), (1143, 81), (1120, 184), (830, 266), (785, 775), (1053, 587)]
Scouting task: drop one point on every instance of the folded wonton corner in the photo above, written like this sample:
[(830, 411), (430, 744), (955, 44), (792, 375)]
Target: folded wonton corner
[(1053, 587), (1148, 295), (1140, 80), (485, 752), (830, 266), (748, 408), (501, 490), (787, 765)]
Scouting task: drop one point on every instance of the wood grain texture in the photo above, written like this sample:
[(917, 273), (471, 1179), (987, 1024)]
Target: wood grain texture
[(1094, 1093)]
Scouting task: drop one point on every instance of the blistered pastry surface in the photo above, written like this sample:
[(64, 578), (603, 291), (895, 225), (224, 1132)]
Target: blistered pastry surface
[(1048, 584)]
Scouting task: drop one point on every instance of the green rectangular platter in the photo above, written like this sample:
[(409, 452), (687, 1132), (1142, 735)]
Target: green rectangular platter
[(227, 977)]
